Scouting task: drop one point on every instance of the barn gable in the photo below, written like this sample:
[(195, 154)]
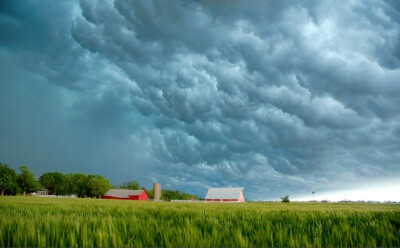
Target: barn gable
[(225, 194), (126, 194)]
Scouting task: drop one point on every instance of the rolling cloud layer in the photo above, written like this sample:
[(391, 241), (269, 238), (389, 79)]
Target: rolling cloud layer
[(281, 97)]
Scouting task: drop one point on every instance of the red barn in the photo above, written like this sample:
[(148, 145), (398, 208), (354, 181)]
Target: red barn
[(127, 194)]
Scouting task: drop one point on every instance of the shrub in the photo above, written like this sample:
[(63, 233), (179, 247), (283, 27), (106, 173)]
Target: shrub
[(285, 198)]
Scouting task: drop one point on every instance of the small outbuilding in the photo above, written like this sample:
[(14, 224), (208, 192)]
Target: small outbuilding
[(225, 195), (127, 194)]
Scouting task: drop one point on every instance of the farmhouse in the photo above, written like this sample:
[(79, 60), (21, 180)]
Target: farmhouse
[(126, 194), (225, 195)]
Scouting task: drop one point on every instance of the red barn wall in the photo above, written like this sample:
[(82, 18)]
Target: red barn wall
[(133, 197), (142, 197), (113, 197)]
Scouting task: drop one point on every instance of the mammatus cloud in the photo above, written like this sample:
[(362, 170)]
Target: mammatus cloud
[(282, 98)]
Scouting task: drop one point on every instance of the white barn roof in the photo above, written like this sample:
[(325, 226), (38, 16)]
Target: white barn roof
[(123, 193), (224, 193)]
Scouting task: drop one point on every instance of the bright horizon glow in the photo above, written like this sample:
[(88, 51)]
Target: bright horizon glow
[(381, 194)]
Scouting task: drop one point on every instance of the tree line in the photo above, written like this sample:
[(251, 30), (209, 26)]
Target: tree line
[(166, 194), (79, 184), (56, 183)]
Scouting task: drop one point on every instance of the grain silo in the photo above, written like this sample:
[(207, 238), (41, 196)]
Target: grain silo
[(157, 191)]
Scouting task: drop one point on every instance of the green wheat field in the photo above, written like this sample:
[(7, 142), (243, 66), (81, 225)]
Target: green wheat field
[(61, 222)]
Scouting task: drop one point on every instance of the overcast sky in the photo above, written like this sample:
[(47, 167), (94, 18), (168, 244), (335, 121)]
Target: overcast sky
[(279, 97)]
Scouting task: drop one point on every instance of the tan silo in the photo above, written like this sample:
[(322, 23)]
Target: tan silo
[(157, 191)]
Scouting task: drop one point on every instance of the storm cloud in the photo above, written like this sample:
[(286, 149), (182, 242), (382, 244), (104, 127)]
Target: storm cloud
[(280, 97)]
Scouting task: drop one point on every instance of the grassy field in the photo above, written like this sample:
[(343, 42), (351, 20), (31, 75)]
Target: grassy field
[(60, 222)]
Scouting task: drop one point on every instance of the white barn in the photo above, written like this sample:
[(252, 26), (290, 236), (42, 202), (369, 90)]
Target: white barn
[(225, 195)]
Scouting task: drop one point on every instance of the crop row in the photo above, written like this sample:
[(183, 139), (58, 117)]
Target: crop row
[(38, 222)]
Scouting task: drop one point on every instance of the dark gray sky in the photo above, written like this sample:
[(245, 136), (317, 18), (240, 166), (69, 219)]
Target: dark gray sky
[(280, 97)]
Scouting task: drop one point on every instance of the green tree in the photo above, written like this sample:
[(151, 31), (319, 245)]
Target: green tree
[(98, 186), (285, 198), (86, 185), (76, 183), (27, 181), (80, 184), (150, 193), (54, 182), (8, 180), (70, 187), (130, 185), (168, 195)]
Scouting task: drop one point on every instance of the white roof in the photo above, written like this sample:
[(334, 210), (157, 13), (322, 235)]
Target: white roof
[(123, 193), (223, 193)]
